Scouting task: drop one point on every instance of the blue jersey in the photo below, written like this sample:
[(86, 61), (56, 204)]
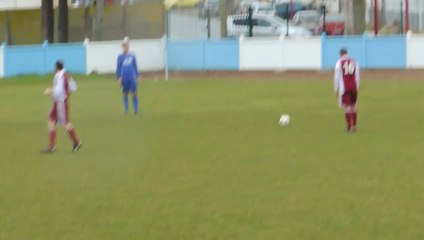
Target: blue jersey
[(126, 68)]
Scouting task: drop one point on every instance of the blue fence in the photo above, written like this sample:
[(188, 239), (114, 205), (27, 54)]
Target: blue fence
[(203, 55), (370, 52), (23, 60)]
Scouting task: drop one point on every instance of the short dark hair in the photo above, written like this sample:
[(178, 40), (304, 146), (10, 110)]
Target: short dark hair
[(343, 51), (59, 65)]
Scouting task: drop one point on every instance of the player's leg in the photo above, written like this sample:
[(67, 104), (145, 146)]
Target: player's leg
[(51, 126), (63, 119), (77, 144), (126, 103), (346, 102), (355, 116), (348, 116), (134, 98), (135, 102), (126, 87), (355, 111)]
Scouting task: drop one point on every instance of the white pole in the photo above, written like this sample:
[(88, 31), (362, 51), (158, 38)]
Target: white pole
[(166, 57)]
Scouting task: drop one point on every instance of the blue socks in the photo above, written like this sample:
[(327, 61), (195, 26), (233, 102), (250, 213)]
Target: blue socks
[(135, 104), (126, 103)]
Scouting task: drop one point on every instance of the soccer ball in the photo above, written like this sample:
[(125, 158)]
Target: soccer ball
[(284, 120)]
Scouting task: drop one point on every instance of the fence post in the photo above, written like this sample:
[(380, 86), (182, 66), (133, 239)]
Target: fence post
[(288, 19), (408, 41), (165, 40), (324, 14), (401, 16), (365, 49), (208, 26), (376, 17), (3, 47), (250, 19), (241, 42), (323, 50), (406, 16), (46, 68), (166, 23), (86, 43)]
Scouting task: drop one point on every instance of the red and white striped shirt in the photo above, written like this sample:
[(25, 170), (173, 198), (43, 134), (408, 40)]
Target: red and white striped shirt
[(60, 86), (346, 75)]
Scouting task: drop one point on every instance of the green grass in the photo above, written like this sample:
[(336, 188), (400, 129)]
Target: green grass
[(208, 160)]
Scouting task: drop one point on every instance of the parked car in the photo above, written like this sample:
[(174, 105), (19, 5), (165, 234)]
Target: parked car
[(307, 19), (284, 9), (82, 3), (263, 26), (262, 8), (180, 3), (334, 25), (212, 6)]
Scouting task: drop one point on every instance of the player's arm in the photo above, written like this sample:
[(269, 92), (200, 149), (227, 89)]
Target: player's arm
[(119, 68), (357, 75), (135, 66), (337, 77)]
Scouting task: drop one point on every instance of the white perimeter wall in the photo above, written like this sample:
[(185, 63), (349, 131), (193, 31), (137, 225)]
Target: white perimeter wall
[(280, 54), (102, 56), (1, 62), (19, 4), (415, 51)]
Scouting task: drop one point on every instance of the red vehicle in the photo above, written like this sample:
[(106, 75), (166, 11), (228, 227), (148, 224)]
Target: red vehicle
[(334, 25)]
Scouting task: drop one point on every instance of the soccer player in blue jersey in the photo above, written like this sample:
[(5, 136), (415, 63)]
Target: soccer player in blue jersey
[(127, 74)]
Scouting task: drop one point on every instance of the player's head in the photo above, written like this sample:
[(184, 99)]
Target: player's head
[(126, 45), (58, 65), (343, 52)]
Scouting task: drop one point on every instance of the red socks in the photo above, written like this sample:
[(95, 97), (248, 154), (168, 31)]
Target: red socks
[(73, 136), (52, 138), (349, 120)]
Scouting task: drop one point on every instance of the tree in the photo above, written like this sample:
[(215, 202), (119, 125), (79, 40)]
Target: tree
[(87, 22), (382, 16), (97, 24), (354, 12), (125, 18), (47, 20), (347, 11), (226, 7), (63, 21), (223, 14), (359, 8)]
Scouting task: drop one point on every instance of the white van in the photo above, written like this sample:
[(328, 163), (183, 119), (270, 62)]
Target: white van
[(263, 26)]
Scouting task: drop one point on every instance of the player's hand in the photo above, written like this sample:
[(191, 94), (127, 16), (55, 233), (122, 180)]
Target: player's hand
[(48, 91), (139, 79), (119, 82), (336, 93)]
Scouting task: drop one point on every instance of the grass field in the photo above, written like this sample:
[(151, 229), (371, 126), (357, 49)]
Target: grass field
[(208, 160)]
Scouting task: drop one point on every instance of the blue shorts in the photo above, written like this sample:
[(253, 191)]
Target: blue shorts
[(129, 86)]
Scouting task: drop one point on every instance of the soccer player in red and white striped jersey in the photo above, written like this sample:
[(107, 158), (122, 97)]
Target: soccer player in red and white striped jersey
[(346, 85), (59, 114)]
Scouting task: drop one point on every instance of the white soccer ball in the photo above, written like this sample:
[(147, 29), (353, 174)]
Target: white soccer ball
[(284, 120)]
